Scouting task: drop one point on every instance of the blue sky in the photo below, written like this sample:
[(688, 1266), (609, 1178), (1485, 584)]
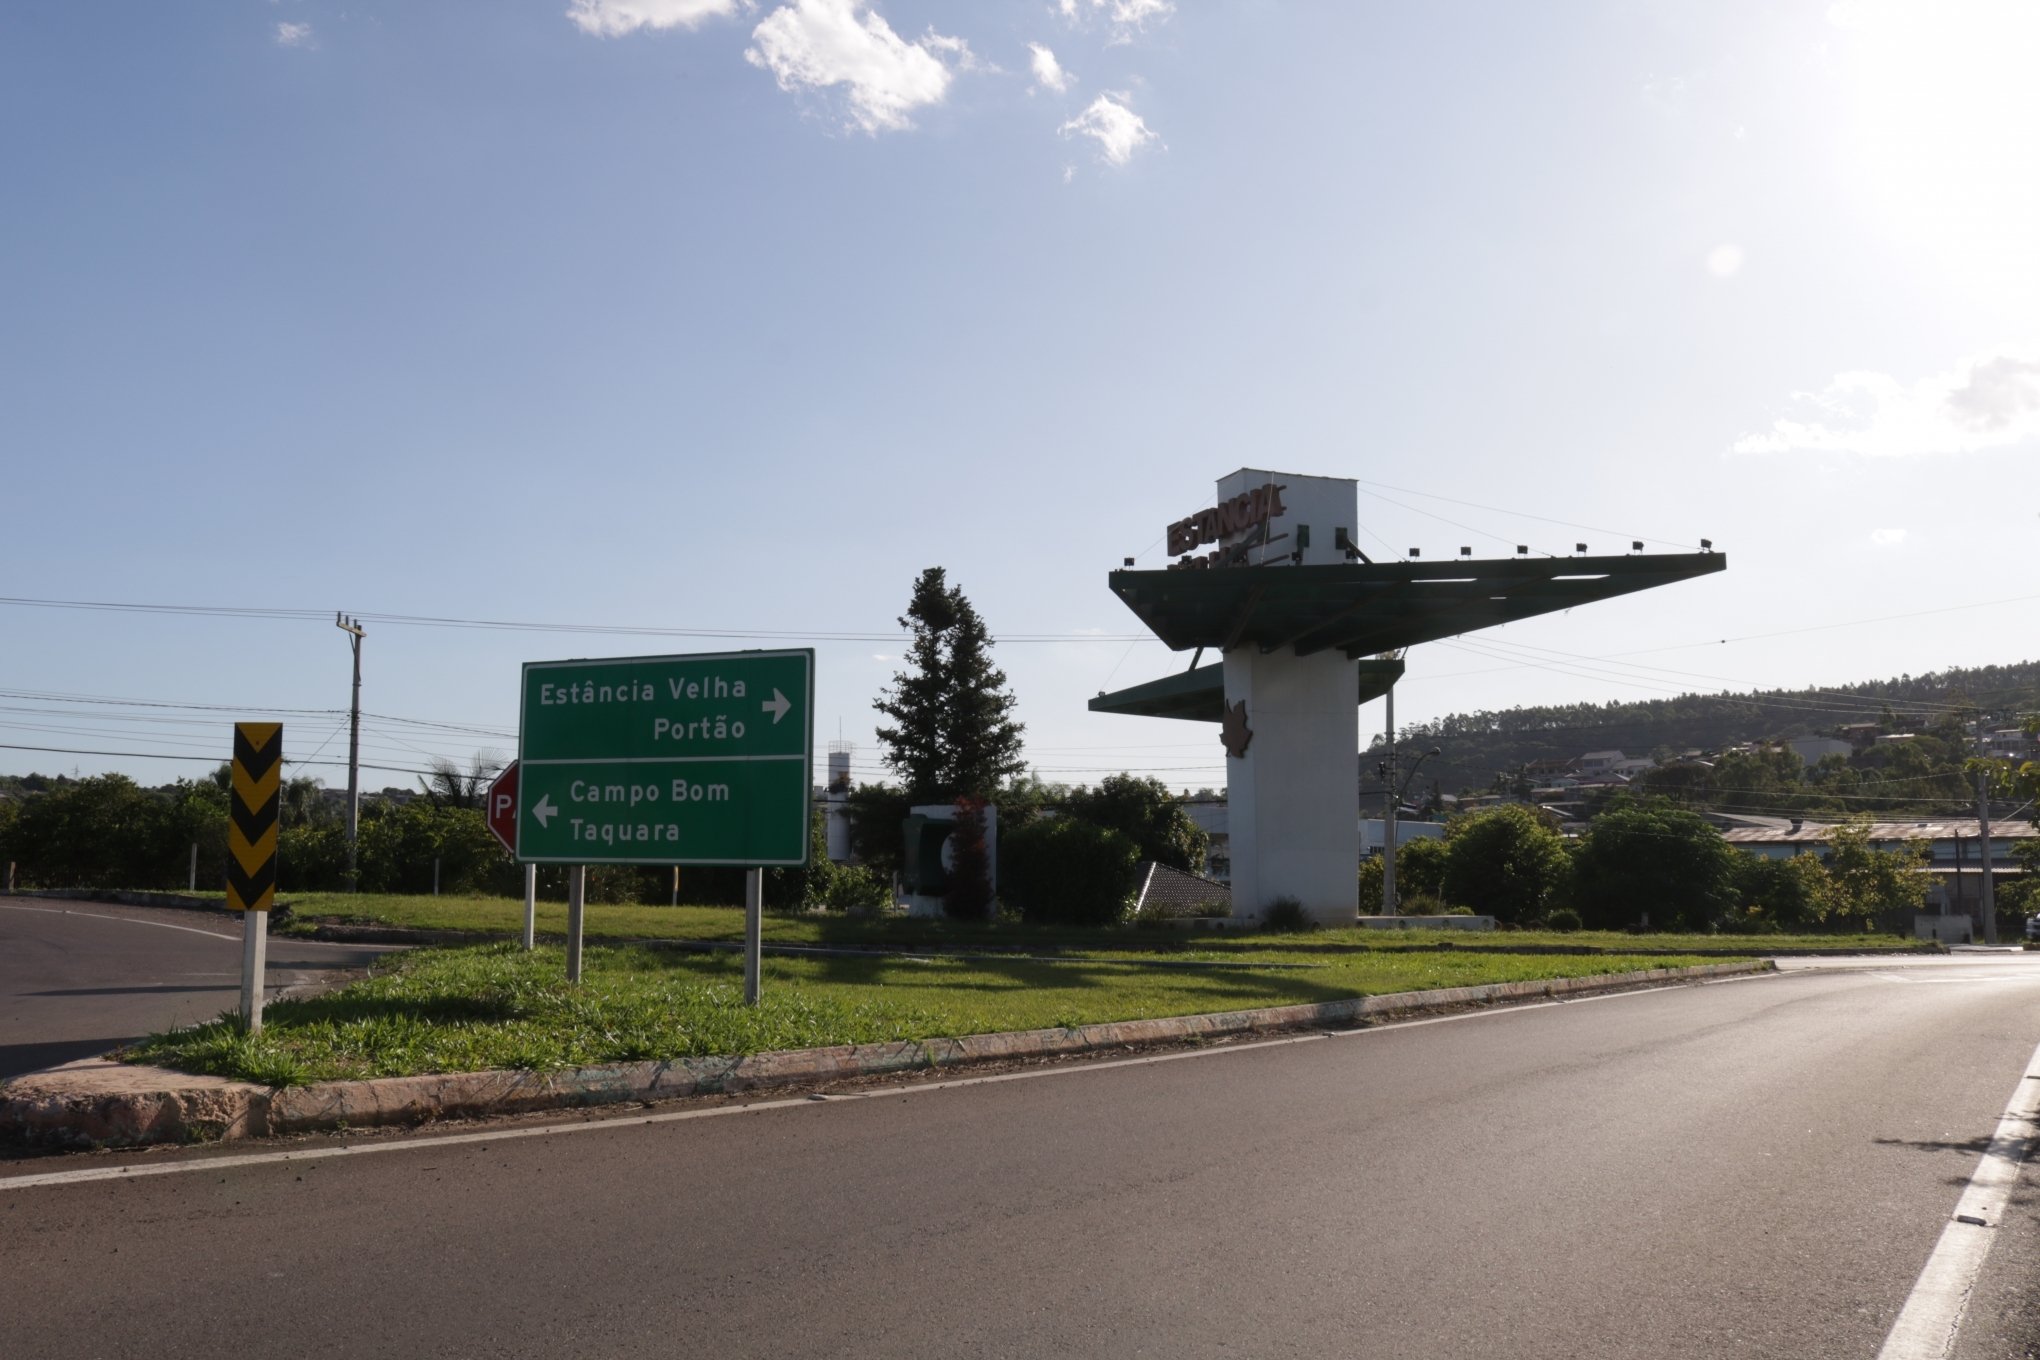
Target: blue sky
[(699, 314)]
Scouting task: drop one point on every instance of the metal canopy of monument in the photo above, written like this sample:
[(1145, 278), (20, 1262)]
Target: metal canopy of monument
[(700, 759), (1363, 609), (1198, 694)]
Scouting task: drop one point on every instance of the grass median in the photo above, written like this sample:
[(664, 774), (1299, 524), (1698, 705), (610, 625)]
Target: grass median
[(483, 1007), (504, 916)]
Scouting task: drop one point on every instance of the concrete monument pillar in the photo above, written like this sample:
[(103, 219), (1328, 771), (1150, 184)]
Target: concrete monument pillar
[(1291, 786)]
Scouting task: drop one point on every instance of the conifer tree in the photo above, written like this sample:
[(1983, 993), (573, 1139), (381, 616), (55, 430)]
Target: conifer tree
[(952, 732)]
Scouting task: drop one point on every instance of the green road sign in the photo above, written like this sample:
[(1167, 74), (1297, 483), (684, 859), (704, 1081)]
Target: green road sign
[(700, 759)]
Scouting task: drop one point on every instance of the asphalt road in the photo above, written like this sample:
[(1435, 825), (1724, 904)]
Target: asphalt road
[(1750, 1168), (79, 978)]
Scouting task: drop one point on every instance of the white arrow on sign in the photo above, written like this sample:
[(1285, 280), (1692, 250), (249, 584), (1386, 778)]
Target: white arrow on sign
[(776, 706), (544, 811)]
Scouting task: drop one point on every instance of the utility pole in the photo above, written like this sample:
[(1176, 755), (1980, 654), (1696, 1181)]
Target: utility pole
[(354, 631), (1989, 893)]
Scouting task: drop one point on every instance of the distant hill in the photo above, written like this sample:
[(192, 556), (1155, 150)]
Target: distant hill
[(1476, 748)]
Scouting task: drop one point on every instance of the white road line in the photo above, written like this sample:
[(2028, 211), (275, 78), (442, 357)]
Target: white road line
[(115, 1173), (1927, 1326), (165, 925), (97, 916)]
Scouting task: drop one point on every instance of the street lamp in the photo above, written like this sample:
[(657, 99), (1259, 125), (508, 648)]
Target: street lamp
[(1391, 900)]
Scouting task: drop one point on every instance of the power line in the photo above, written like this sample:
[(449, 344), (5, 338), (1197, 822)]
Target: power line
[(529, 626), (1516, 514)]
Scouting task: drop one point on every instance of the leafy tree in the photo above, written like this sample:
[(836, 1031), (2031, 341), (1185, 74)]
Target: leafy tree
[(1063, 871), (300, 800), (806, 885), (1026, 797), (1419, 868), (100, 832), (969, 897), (10, 821), (1146, 813), (1870, 882), (1790, 893), (877, 813), (450, 786), (1654, 860), (952, 732), (1370, 884), (1504, 862), (194, 812), (399, 844), (2019, 897)]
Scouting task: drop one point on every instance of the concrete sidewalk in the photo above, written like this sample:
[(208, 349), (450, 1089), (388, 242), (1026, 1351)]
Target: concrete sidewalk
[(97, 1102)]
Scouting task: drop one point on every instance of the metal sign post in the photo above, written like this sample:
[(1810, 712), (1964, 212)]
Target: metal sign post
[(577, 916), (254, 966), (754, 931), (530, 907)]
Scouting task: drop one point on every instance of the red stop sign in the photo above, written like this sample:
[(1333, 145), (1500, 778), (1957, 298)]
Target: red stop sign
[(501, 807)]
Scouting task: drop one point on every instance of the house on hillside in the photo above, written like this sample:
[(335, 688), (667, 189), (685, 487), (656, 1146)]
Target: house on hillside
[(2008, 743), (1812, 750), (1374, 833)]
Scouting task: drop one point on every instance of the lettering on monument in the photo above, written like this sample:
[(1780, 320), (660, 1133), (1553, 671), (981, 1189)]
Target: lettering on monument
[(1238, 524)]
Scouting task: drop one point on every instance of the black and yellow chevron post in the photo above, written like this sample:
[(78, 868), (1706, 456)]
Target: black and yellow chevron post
[(251, 816)]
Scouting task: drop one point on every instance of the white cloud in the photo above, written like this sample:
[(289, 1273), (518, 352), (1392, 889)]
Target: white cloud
[(1119, 130), (614, 18), (1048, 72), (815, 44), (1725, 261), (1981, 403), (294, 35), (1127, 17), (1885, 538)]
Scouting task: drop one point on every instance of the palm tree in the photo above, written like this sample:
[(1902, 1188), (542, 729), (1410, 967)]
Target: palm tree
[(448, 785)]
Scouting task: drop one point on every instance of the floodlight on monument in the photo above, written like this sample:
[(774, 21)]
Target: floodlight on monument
[(1416, 552), (1129, 561), (1579, 547), (1636, 545), (1522, 550), (1706, 545), (1465, 551)]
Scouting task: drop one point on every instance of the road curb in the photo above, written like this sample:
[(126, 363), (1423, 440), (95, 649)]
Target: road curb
[(77, 1105)]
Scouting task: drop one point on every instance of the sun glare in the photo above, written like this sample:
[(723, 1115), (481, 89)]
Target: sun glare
[(1945, 126)]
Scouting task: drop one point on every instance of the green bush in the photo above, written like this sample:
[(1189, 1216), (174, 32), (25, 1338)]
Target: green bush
[(1370, 885), (1796, 892), (858, 889), (1286, 916), (1504, 862), (1145, 812), (1565, 920), (1656, 859), (105, 832), (1420, 869), (1062, 871)]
